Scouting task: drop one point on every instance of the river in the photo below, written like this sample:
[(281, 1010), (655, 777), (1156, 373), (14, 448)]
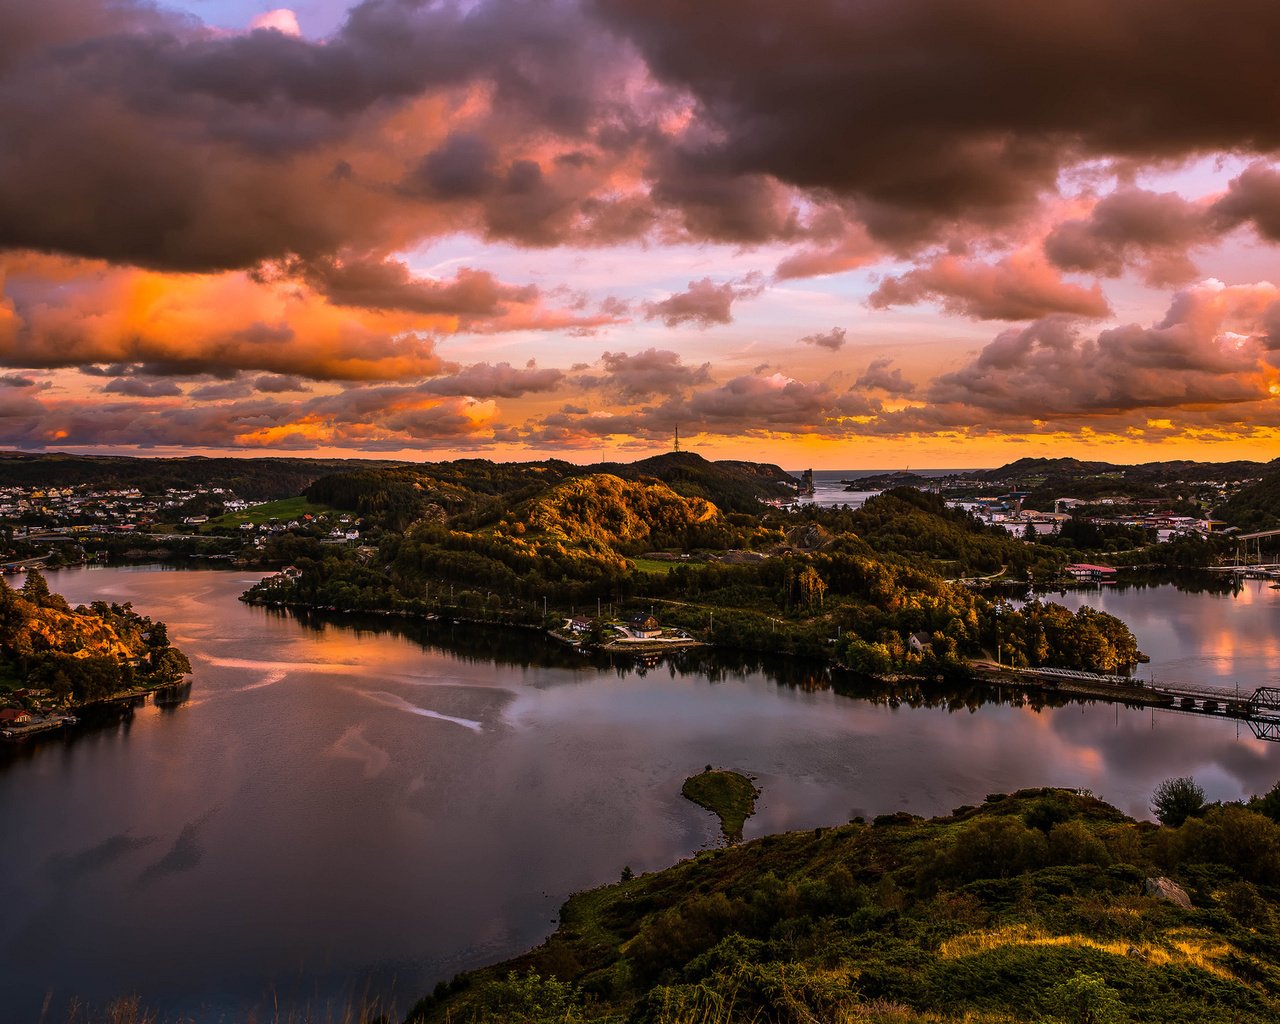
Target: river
[(339, 811)]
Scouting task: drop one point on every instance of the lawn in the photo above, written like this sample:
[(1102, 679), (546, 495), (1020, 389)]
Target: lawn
[(284, 510)]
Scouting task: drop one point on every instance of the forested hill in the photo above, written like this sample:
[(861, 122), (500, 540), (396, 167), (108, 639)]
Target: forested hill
[(481, 488), (1045, 905), (1255, 506), (1176, 471), (79, 654), (254, 479)]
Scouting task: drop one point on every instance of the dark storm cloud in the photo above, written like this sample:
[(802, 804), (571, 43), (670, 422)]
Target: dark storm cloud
[(1254, 197), (958, 109), (141, 137), (136, 135)]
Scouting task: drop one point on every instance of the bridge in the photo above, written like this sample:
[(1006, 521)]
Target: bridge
[(1260, 709)]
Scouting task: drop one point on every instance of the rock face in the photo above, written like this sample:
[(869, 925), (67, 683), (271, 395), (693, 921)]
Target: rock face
[(1167, 889)]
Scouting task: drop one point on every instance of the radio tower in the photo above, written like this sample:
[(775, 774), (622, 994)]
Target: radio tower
[(677, 447)]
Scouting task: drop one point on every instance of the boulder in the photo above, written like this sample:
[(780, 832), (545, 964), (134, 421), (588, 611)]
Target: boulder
[(1167, 889)]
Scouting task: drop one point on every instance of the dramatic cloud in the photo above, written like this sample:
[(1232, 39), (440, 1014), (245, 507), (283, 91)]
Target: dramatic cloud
[(1134, 225), (703, 304), (832, 339), (252, 238), (208, 324), (1254, 197), (501, 381), (1020, 287), (755, 402), (634, 378), (390, 285), (973, 108), (350, 320), (1195, 356), (374, 418)]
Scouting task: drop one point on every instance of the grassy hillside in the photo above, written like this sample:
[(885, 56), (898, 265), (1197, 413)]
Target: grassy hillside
[(1031, 907), (282, 510)]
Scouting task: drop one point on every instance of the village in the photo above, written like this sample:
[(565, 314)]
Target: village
[(43, 527)]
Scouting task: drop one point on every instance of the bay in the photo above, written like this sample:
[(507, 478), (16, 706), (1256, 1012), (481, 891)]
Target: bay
[(342, 810)]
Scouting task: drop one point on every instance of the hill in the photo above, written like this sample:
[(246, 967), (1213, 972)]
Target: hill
[(254, 479), (731, 485), (80, 654), (1046, 904), (1255, 506), (400, 495)]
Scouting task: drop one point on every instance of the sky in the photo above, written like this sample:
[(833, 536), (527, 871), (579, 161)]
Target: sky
[(867, 234)]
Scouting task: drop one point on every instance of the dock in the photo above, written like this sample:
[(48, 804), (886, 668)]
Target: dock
[(1260, 709)]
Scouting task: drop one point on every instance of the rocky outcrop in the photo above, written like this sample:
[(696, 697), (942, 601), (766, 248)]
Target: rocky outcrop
[(1167, 889)]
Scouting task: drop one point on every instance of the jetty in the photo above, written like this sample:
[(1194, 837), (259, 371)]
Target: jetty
[(1259, 708)]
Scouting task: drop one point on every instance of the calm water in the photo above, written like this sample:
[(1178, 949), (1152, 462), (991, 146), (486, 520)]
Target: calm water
[(339, 811)]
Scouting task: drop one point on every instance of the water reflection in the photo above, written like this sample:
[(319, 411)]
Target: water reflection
[(343, 801)]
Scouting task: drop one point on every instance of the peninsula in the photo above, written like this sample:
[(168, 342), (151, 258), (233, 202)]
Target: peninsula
[(55, 658)]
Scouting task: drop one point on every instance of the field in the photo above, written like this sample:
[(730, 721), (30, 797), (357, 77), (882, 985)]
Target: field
[(284, 510)]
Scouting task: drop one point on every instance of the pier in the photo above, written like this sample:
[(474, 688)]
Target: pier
[(1259, 709)]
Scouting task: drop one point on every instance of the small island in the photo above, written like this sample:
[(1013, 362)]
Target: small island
[(54, 659), (728, 795)]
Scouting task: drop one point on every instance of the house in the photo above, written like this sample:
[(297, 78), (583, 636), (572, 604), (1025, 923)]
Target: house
[(580, 624), (14, 716), (645, 627), (1092, 573), (919, 643)]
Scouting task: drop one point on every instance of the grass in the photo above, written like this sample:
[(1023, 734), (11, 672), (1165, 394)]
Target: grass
[(654, 565), (730, 796), (284, 509)]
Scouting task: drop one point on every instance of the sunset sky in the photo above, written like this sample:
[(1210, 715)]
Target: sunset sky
[(838, 233)]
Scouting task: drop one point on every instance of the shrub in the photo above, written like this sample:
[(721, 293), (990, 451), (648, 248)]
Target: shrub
[(1085, 999), (1176, 800)]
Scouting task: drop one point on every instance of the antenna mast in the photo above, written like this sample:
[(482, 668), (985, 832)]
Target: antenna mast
[(677, 447)]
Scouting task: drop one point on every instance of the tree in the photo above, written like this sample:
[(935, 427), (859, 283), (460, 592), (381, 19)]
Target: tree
[(1176, 800), (1085, 999), (1268, 804)]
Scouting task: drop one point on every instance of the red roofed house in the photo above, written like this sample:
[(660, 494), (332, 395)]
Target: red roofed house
[(1092, 573)]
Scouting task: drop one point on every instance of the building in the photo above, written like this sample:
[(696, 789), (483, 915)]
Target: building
[(918, 643), (1092, 573), (645, 627)]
